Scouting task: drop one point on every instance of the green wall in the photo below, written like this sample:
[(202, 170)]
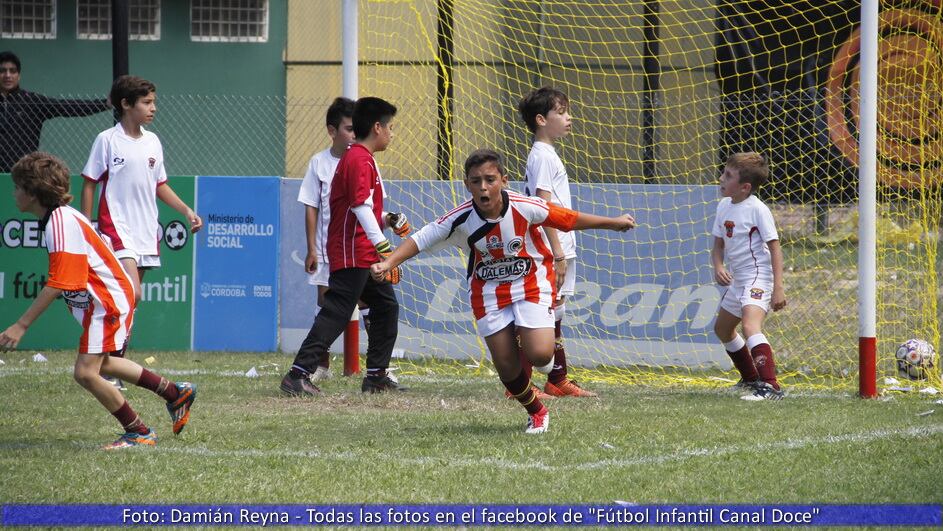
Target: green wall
[(203, 88)]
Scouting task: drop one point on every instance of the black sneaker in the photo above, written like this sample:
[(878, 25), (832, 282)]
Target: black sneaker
[(298, 386), (380, 385), (764, 391)]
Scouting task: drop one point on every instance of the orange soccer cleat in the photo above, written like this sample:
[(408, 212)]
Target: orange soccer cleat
[(567, 388)]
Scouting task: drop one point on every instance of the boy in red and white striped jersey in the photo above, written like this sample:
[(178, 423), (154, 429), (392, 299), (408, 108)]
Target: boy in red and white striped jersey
[(511, 278), (99, 294)]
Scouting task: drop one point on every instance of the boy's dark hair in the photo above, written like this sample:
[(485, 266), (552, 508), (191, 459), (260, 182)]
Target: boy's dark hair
[(10, 57), (129, 88), (368, 111), (482, 156), (341, 108), (44, 177), (540, 101), (752, 167)]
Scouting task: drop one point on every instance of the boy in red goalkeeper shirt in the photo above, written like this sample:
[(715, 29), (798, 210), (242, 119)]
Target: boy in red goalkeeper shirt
[(355, 241), (511, 280), (89, 277), (748, 260)]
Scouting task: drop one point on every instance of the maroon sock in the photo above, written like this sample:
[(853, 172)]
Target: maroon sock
[(160, 385), (129, 419), (558, 374), (744, 363), (523, 390), (526, 366), (763, 358)]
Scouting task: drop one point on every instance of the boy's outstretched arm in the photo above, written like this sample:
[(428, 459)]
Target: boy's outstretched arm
[(10, 337), (779, 291), (592, 221), (399, 255), (166, 194)]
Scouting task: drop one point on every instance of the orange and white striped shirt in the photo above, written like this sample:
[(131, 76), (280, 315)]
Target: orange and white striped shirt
[(93, 283), (510, 259)]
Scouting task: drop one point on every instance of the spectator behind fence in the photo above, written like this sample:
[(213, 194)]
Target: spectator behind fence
[(23, 113)]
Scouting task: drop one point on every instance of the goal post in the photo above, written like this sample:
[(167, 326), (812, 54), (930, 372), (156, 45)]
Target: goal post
[(844, 99)]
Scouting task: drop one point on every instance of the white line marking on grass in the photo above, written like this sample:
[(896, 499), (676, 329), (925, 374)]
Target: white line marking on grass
[(682, 455)]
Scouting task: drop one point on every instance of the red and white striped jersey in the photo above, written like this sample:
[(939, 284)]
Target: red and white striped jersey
[(509, 257), (93, 283)]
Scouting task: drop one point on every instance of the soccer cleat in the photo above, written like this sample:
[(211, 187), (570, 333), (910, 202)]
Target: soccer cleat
[(745, 385), (133, 438), (538, 422), (179, 409), (298, 386), (540, 394), (764, 391), (567, 388), (321, 373), (380, 385)]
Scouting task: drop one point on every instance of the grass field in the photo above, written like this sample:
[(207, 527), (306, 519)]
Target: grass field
[(455, 439)]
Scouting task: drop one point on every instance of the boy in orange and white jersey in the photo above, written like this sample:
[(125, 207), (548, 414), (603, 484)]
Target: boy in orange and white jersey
[(99, 294)]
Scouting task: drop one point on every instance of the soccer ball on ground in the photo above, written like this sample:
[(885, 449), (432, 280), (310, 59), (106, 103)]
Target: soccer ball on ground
[(915, 358)]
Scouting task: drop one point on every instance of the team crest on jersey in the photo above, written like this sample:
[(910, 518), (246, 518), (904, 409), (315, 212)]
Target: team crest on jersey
[(756, 293), (515, 245), (504, 270), (78, 299), (151, 162), (729, 226), (493, 243)]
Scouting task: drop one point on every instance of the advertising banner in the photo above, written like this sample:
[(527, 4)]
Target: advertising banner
[(236, 305), (162, 321), (642, 297)]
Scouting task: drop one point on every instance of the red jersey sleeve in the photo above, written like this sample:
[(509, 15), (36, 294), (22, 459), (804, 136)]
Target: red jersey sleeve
[(560, 218)]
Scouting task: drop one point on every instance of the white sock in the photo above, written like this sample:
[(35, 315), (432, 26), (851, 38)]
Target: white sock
[(545, 369)]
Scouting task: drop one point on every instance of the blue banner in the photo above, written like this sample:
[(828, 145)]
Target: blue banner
[(472, 515), (236, 288)]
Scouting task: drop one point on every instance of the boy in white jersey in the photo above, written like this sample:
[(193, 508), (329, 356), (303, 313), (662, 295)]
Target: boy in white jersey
[(128, 162), (87, 274), (511, 279), (315, 194), (746, 242), (545, 111)]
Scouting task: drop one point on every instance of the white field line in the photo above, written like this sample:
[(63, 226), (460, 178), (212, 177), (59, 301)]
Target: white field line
[(917, 432)]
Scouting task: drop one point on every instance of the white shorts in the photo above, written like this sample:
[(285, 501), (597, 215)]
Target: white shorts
[(759, 293), (144, 261), (521, 313), (320, 275), (569, 280)]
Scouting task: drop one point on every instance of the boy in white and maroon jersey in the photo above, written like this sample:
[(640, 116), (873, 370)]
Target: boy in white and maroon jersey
[(511, 278), (128, 162), (748, 260), (98, 292), (546, 113)]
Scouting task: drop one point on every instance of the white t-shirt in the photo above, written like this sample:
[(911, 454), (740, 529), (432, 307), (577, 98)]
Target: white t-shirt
[(128, 171), (315, 192), (746, 227), (545, 171)]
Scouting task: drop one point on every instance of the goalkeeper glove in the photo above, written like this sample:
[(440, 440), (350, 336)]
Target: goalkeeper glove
[(384, 249), (399, 224)]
